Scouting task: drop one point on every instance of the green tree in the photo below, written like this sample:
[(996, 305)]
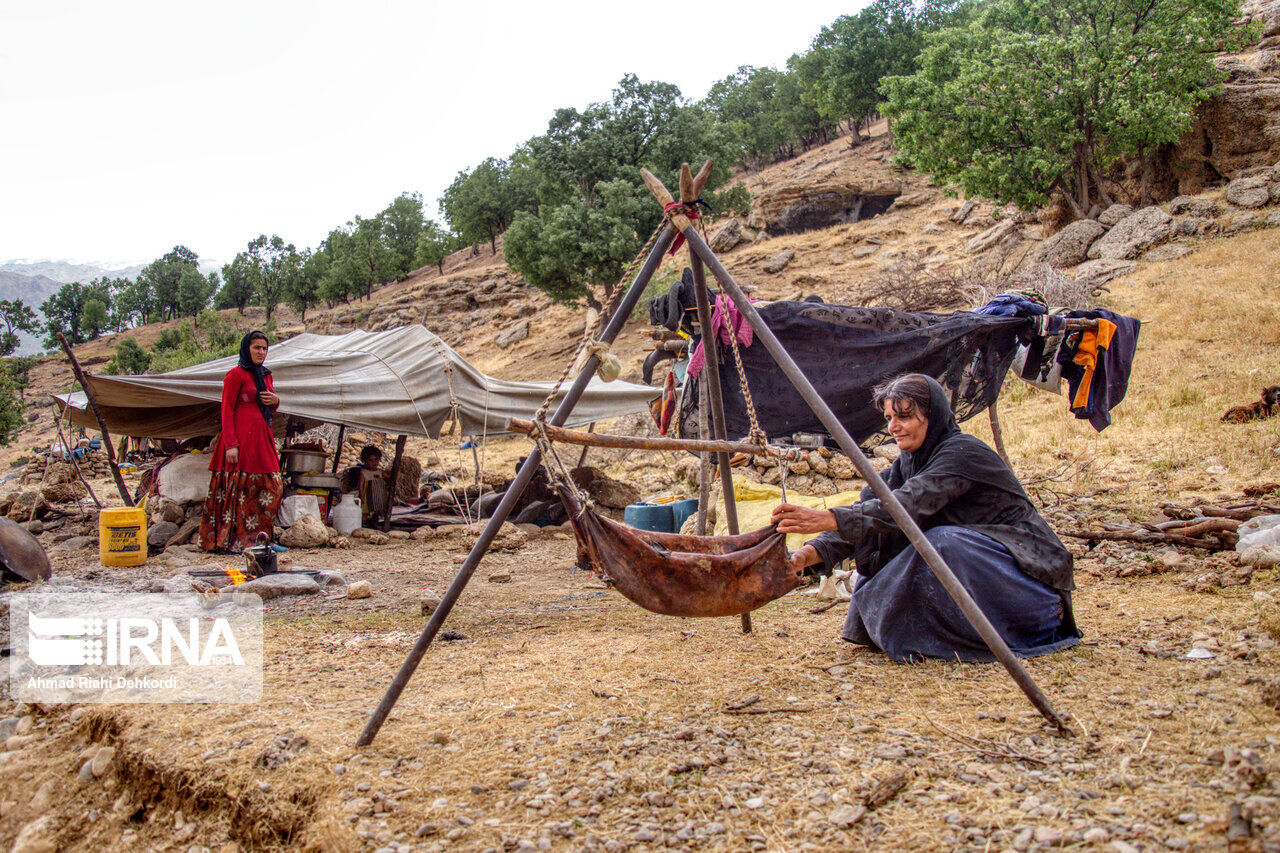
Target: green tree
[(129, 358), (64, 312), (1037, 97), (402, 222), (194, 291), (434, 245), (303, 290), (16, 317), (277, 264), (11, 407), (480, 204), (239, 283), (161, 280), (93, 319), (18, 368)]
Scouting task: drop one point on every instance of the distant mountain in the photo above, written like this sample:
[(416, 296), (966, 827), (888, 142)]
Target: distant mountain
[(66, 271)]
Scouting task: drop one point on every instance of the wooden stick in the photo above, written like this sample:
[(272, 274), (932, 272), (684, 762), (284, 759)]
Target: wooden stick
[(395, 478), (664, 197), (1145, 536), (639, 442), (57, 422), (704, 463), (997, 436), (337, 454), (97, 413)]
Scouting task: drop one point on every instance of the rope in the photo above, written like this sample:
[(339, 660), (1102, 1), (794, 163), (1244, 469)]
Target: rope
[(756, 435)]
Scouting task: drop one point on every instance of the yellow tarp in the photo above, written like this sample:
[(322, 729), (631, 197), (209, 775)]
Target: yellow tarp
[(756, 502)]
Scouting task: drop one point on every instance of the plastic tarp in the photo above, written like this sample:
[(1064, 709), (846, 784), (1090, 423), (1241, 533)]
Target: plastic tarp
[(399, 381)]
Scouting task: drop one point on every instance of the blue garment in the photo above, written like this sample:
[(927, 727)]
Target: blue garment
[(905, 611), (1013, 305)]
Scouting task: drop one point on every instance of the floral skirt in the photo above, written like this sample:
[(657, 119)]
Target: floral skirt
[(239, 507)]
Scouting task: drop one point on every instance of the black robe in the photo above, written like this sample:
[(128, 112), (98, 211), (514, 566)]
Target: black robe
[(956, 480)]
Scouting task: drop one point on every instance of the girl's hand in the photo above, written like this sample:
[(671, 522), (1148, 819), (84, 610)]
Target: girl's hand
[(802, 559), (796, 519), (231, 456), (268, 399)]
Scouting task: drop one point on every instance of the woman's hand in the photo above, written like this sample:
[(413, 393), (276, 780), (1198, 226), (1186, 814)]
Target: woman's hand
[(268, 399), (805, 557), (796, 519), (231, 456)]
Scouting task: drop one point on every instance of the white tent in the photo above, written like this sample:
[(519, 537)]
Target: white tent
[(401, 381)]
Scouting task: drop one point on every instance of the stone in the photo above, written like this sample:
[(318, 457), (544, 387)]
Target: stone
[(806, 204), (330, 578), (1194, 206), (75, 543), (276, 586), (158, 534), (428, 601), (499, 577), (360, 589), (934, 229), (1249, 192), (613, 494), (913, 199), (513, 334), (992, 236), (102, 760), (1261, 556), (1168, 252), (1099, 272), (845, 816), (1134, 234), (1113, 214), (33, 838), (726, 237), (1239, 223), (172, 511), (186, 530), (1272, 220), (373, 537), (509, 538), (64, 493), (778, 261), (306, 532), (962, 212), (864, 251), (422, 533), (1070, 246)]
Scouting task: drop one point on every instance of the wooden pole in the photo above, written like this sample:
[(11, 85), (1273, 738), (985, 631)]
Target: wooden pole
[(704, 464), (582, 457), (57, 422), (997, 436), (337, 454), (765, 336), (395, 478), (637, 442), (689, 189), (512, 494), (102, 424)]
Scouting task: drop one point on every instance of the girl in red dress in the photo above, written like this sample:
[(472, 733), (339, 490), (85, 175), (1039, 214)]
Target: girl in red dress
[(246, 486)]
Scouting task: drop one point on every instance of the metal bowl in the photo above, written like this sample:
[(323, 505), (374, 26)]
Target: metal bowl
[(303, 461), (317, 481)]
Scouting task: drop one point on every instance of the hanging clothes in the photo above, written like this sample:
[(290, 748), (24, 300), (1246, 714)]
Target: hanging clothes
[(728, 323), (1096, 365)]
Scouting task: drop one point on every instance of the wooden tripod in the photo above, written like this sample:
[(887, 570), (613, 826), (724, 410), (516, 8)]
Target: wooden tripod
[(701, 254)]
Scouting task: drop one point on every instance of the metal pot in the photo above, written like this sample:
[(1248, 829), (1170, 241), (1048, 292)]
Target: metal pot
[(303, 461)]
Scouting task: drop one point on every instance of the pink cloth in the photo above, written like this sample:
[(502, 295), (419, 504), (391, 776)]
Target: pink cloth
[(726, 320)]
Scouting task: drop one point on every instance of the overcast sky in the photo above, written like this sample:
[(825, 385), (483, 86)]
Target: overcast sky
[(129, 127)]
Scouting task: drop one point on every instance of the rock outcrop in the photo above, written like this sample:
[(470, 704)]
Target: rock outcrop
[(1134, 234), (1070, 246)]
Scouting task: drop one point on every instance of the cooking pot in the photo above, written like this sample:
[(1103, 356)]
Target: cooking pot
[(303, 461)]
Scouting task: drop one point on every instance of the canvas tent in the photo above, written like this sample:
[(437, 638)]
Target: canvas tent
[(400, 381)]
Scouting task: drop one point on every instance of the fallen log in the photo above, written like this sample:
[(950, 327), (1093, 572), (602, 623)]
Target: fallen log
[(1148, 536)]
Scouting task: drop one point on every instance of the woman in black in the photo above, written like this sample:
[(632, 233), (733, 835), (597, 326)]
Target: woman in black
[(972, 508)]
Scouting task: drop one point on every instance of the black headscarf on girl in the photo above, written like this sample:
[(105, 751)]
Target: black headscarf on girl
[(259, 372), (947, 450)]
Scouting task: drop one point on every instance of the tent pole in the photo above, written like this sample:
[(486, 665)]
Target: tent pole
[(905, 522), (711, 371), (102, 425), (395, 479), (704, 463), (517, 487), (337, 454), (690, 190)]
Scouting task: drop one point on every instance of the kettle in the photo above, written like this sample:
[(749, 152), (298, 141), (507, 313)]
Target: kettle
[(260, 558), (346, 515)]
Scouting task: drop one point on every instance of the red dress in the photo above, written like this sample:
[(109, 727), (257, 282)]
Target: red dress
[(243, 498)]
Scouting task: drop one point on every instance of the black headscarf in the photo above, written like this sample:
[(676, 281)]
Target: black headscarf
[(947, 450), (259, 372)]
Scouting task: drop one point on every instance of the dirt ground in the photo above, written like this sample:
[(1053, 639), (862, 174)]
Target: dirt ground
[(566, 718)]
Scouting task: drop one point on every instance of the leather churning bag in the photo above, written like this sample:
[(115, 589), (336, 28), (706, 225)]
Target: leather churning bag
[(679, 575)]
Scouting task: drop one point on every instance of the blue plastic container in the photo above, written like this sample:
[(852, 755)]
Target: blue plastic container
[(680, 512), (655, 517)]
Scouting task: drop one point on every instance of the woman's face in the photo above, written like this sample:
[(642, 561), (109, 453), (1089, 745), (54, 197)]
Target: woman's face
[(258, 350), (907, 430)]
